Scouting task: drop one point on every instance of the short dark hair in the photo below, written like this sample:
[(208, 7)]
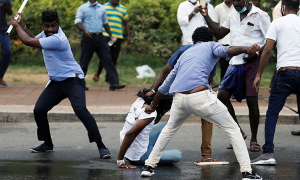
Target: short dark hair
[(163, 106), (291, 4), (203, 34), (50, 16)]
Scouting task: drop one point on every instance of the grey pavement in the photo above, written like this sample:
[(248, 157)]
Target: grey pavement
[(17, 103), (75, 158)]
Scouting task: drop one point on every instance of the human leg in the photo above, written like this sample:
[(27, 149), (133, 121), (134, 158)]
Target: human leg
[(51, 96), (177, 117), (282, 87), (224, 96), (73, 88), (297, 133), (6, 54), (103, 52), (252, 103), (169, 156), (87, 51), (216, 112), (207, 128), (114, 51), (223, 66), (250, 71)]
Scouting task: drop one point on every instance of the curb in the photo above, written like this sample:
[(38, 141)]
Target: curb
[(26, 117)]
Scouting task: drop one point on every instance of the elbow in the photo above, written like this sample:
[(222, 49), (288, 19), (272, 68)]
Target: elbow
[(267, 51), (130, 135)]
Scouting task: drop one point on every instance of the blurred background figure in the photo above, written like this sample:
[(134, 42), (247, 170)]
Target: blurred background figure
[(221, 13), (257, 4), (5, 8), (116, 16)]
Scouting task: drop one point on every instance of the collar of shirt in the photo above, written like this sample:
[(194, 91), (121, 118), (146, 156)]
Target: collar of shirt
[(111, 5), (90, 4)]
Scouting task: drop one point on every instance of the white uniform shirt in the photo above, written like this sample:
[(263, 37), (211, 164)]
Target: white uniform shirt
[(188, 27), (286, 32), (221, 14), (251, 30), (140, 144)]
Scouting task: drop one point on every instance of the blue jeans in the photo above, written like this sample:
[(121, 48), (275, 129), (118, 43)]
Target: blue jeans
[(6, 52), (169, 156), (285, 83)]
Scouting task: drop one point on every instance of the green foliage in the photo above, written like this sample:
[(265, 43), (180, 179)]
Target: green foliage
[(153, 24)]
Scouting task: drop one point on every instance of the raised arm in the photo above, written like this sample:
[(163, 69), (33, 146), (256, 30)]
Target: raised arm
[(129, 138), (219, 32), (25, 35)]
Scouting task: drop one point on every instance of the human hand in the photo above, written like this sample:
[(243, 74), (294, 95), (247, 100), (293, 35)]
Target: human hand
[(197, 9), (149, 109), (87, 33), (128, 166), (14, 23), (252, 53), (19, 16), (203, 10), (128, 41), (150, 93), (256, 83)]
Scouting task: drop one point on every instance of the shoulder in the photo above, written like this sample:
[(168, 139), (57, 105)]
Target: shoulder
[(259, 12), (122, 7), (85, 5)]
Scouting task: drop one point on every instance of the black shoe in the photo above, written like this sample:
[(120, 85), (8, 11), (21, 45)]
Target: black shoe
[(42, 148), (147, 171), (116, 86), (104, 153), (296, 133), (248, 176)]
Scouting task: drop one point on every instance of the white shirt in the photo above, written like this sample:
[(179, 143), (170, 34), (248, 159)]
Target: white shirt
[(286, 32), (221, 14), (251, 30), (188, 27), (140, 144)]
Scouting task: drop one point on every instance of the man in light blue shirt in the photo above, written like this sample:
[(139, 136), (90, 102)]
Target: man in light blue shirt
[(66, 80), (90, 18), (188, 82)]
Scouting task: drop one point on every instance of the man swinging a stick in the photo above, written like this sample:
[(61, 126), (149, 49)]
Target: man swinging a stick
[(66, 80)]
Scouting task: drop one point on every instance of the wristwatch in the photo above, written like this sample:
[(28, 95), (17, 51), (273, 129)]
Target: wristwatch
[(193, 12)]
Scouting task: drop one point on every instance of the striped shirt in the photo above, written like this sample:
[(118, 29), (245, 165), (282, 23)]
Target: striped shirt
[(115, 18)]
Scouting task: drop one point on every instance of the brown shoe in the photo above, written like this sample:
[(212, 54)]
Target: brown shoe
[(96, 77)]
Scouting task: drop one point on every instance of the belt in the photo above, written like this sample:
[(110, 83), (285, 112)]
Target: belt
[(97, 34), (198, 90), (289, 67)]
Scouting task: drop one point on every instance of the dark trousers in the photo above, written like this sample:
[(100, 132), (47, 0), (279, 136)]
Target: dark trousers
[(285, 83), (6, 52), (54, 93), (114, 51), (99, 45)]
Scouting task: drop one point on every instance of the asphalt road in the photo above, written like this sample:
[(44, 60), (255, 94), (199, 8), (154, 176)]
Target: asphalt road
[(75, 158)]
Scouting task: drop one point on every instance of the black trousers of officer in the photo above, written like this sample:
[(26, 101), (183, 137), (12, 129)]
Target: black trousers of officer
[(114, 51), (54, 93), (99, 45)]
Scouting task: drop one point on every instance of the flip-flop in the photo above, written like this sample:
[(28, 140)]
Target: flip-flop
[(255, 147)]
